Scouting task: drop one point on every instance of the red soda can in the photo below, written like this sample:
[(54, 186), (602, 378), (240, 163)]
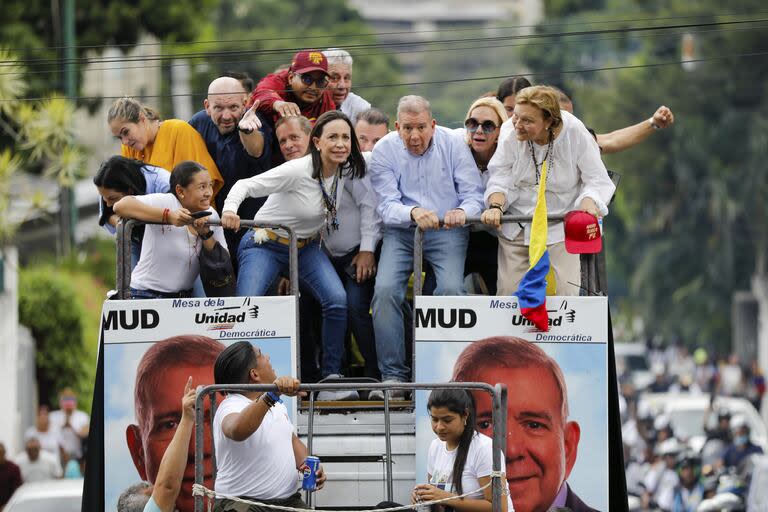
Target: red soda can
[(311, 465)]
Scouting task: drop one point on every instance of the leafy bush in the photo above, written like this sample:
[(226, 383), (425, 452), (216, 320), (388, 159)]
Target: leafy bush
[(49, 305)]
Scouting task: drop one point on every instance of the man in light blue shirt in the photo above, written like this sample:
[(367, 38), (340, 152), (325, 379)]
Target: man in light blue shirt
[(422, 174)]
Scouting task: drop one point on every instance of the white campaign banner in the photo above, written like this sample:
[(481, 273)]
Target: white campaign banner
[(550, 460), (151, 348), (571, 319), (138, 321)]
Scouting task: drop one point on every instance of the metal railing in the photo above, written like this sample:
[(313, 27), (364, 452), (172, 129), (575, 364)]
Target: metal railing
[(499, 417), (123, 235), (593, 280)]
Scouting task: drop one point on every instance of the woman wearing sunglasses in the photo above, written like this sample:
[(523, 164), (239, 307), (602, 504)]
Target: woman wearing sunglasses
[(484, 119)]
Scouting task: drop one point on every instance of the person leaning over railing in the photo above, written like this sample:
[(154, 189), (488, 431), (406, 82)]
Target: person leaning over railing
[(119, 177), (576, 179), (169, 264), (481, 131), (304, 196), (422, 173)]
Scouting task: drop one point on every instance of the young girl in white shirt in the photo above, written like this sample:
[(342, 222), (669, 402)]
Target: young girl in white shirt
[(458, 450)]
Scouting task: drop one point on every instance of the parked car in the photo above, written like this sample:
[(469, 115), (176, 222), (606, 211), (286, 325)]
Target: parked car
[(60, 495), (632, 359), (686, 413)]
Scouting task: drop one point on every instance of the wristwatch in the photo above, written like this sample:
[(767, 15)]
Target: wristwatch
[(246, 131), (207, 235)]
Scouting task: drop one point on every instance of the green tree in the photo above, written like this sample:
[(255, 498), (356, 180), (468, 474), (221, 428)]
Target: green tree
[(33, 30), (259, 43), (688, 227)]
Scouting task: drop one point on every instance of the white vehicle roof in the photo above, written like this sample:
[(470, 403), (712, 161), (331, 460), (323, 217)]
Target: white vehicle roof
[(677, 404), (47, 495)]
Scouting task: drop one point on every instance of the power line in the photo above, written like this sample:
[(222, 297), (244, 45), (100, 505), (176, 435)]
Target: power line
[(218, 54), (401, 52), (338, 36), (456, 80)]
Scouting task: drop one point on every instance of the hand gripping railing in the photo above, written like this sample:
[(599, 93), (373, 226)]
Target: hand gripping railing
[(593, 280), (125, 227), (499, 417)]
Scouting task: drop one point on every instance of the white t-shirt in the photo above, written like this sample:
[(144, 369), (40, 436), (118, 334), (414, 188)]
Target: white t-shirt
[(169, 254), (70, 440), (479, 464), (46, 467), (263, 465), (50, 440), (354, 105)]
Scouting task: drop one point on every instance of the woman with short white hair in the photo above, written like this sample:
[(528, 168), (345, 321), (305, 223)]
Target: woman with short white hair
[(576, 179)]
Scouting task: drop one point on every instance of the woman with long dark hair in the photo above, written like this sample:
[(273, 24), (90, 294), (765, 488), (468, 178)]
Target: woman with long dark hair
[(169, 263), (304, 194), (458, 450), (119, 177)]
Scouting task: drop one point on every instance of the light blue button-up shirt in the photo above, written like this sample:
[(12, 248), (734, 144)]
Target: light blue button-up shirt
[(445, 177)]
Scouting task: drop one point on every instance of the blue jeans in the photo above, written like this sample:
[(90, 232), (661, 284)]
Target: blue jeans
[(359, 297), (445, 250), (152, 294), (260, 265)]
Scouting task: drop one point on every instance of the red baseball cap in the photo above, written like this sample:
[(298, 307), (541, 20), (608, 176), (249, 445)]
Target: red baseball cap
[(309, 60), (582, 233)]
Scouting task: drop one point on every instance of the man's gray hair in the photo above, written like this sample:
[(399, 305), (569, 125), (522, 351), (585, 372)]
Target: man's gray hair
[(338, 56), (134, 498), (413, 104)]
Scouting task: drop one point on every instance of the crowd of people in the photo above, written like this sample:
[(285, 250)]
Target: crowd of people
[(54, 447), (303, 151), (674, 465)]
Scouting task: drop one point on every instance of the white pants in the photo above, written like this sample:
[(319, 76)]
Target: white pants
[(514, 263)]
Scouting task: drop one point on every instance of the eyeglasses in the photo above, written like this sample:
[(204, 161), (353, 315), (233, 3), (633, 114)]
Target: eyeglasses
[(472, 125), (308, 80)]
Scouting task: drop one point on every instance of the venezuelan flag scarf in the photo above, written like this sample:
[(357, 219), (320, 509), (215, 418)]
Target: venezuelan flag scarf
[(538, 281)]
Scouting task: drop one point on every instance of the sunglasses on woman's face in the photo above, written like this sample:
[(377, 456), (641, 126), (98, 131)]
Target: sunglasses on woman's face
[(308, 80), (472, 125)]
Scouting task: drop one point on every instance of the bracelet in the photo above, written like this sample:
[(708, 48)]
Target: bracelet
[(207, 235), (498, 206), (268, 399), (246, 131), (166, 212)]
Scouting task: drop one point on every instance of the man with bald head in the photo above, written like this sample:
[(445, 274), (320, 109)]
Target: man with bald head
[(238, 141)]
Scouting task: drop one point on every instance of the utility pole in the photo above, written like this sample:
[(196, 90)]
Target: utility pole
[(67, 203)]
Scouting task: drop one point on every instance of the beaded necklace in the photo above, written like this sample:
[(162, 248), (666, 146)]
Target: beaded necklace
[(537, 165)]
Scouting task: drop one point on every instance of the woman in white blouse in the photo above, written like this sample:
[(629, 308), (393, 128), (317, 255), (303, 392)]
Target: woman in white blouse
[(304, 194), (169, 263), (576, 180)]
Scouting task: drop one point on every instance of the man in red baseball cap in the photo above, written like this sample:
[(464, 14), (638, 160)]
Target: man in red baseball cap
[(300, 90)]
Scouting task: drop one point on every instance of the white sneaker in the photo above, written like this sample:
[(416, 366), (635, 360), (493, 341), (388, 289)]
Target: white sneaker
[(336, 396), (394, 394)]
